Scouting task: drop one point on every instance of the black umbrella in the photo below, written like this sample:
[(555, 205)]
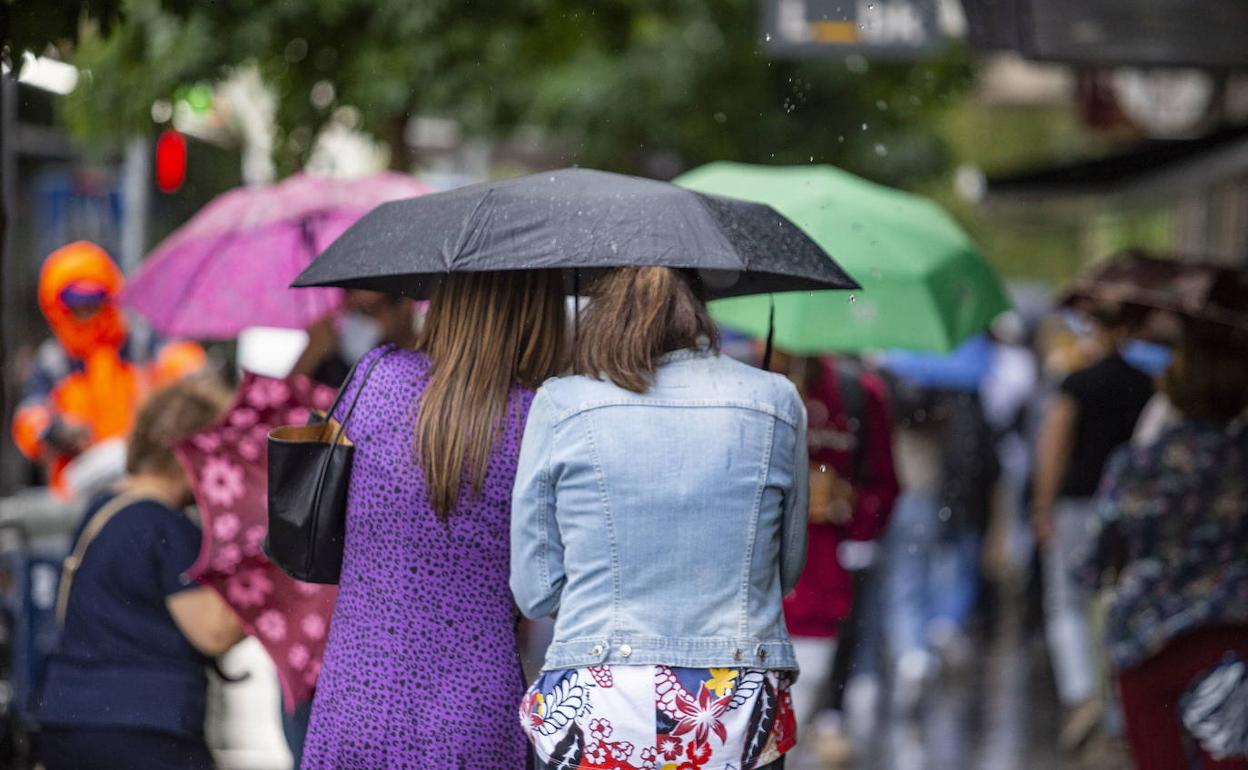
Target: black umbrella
[(580, 220)]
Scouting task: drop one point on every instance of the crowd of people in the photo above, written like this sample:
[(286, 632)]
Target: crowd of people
[(700, 529)]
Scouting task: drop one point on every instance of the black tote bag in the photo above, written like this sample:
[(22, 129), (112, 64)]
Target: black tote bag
[(309, 472)]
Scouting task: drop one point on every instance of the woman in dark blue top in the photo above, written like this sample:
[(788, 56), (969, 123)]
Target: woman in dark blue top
[(128, 686)]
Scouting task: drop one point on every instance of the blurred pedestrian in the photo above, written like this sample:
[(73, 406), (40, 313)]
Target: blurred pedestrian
[(1174, 527), (337, 341), (422, 667), (1007, 395), (1093, 413), (127, 687), (948, 467), (660, 514), (89, 379), (852, 490)]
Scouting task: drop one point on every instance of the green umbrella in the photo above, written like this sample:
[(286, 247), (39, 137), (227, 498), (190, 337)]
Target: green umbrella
[(925, 285)]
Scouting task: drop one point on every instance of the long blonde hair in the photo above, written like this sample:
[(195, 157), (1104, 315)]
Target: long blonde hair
[(484, 333)]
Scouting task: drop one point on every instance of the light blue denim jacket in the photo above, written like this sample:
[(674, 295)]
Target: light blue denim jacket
[(663, 527)]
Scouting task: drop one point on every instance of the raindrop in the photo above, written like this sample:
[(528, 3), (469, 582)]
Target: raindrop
[(767, 38), (721, 117), (840, 138), (881, 105), (162, 111), (864, 126), (823, 469), (812, 158), (296, 50), (881, 150), (322, 94), (853, 298)]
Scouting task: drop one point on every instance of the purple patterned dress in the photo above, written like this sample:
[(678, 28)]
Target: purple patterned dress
[(422, 669)]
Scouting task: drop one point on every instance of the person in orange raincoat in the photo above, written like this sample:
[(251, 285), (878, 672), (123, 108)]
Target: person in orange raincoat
[(89, 379)]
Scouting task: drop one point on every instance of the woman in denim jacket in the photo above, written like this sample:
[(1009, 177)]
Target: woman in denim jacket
[(659, 513)]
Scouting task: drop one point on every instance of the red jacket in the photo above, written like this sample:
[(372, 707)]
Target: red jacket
[(824, 594)]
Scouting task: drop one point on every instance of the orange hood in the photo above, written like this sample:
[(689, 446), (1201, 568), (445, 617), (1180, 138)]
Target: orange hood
[(82, 262)]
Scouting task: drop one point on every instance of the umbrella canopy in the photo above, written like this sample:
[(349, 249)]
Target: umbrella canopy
[(229, 476), (925, 284), (580, 219), (963, 369), (231, 265), (1199, 291)]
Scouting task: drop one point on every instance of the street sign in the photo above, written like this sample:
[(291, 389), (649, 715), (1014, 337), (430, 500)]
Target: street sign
[(1108, 33), (887, 29)]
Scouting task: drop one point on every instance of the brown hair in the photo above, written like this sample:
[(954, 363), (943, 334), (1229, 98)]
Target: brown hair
[(637, 314), (485, 333), (172, 415), (1207, 381)]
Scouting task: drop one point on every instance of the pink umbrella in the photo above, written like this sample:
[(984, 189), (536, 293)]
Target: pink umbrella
[(231, 265), (229, 476)]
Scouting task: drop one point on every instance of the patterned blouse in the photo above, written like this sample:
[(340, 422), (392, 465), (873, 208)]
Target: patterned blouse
[(659, 718), (1174, 514)]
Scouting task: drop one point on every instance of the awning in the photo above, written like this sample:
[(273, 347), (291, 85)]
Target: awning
[(1112, 33), (1150, 170)]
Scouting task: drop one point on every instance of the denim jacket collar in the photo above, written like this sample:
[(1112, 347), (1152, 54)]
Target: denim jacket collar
[(685, 354)]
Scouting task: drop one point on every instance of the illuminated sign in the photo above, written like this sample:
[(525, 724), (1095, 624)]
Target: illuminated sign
[(892, 29)]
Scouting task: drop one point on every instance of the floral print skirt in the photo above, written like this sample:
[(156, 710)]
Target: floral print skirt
[(659, 718)]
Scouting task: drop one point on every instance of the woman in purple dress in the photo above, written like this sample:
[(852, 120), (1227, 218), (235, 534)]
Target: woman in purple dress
[(422, 668)]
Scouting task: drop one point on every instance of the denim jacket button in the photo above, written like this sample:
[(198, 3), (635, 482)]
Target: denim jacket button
[(596, 650), (625, 650), (737, 654)]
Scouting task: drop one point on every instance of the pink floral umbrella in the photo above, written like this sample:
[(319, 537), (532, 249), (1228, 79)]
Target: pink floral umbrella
[(229, 475), (231, 265)]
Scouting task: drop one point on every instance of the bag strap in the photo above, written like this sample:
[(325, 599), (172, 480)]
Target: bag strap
[(342, 424), (854, 402), (74, 560)]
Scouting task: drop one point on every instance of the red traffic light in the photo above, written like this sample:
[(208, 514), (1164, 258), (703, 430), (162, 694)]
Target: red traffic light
[(170, 161)]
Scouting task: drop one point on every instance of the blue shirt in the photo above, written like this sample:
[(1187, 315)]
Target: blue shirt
[(123, 662)]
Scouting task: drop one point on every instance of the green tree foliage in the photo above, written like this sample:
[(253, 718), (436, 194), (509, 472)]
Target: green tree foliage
[(648, 86), (35, 27)]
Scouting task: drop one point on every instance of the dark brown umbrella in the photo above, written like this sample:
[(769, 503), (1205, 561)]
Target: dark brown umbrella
[(1198, 291)]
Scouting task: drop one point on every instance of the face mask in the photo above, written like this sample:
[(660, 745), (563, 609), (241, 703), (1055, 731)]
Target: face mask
[(1149, 357), (357, 334)]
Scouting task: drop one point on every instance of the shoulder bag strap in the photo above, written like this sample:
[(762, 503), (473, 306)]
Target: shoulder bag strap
[(854, 402), (74, 560), (342, 424)]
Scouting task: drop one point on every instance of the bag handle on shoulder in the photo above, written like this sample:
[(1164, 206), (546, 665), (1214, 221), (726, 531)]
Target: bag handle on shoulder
[(74, 560), (342, 424)]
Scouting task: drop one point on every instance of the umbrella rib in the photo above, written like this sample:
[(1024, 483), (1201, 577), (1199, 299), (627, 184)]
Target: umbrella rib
[(463, 232), (703, 201)]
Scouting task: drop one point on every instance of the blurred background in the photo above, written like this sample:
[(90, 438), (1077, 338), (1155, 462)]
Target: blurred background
[(1057, 133)]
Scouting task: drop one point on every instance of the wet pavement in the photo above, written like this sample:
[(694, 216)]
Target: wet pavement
[(1000, 712)]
